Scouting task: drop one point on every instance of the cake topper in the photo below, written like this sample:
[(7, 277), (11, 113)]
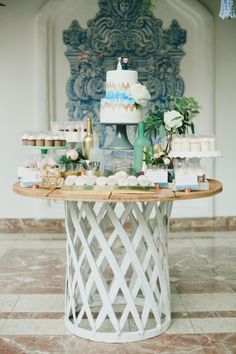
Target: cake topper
[(119, 65), (122, 63), (125, 63)]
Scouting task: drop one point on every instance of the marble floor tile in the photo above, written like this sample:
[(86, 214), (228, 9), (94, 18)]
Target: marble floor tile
[(166, 344), (45, 236), (211, 242), (39, 244), (214, 325), (2, 322), (33, 326), (180, 326), (209, 302), (40, 303), (32, 272), (176, 303), (5, 245), (7, 302)]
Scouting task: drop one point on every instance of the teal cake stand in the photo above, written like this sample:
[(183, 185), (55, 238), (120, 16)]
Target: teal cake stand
[(121, 140)]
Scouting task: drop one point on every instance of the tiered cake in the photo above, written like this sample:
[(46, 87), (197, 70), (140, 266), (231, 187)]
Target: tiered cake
[(118, 107)]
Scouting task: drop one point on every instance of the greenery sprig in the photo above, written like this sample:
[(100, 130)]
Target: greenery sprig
[(155, 125)]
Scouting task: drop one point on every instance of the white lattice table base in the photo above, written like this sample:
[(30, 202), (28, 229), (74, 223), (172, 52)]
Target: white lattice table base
[(117, 287)]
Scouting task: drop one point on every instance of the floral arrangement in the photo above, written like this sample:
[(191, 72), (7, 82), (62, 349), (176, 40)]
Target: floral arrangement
[(140, 94), (157, 158), (71, 157), (174, 116)]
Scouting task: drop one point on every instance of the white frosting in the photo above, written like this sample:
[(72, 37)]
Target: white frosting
[(122, 181), (120, 80), (111, 180), (115, 114), (101, 181), (90, 180), (80, 181), (143, 181), (132, 181), (70, 180)]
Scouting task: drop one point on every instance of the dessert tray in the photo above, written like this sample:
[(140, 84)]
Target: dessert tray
[(192, 154)]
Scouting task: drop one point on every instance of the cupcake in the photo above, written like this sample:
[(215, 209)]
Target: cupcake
[(40, 140), (24, 139), (57, 140), (48, 140), (31, 140)]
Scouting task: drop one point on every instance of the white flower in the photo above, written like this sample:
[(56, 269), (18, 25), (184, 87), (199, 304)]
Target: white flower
[(166, 161), (72, 154), (173, 120), (140, 94)]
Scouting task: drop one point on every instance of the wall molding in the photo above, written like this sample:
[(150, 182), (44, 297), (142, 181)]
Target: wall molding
[(52, 226)]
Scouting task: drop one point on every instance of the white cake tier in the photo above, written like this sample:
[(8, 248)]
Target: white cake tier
[(119, 113), (118, 82)]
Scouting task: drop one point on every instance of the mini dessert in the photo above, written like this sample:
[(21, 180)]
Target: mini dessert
[(122, 182), (132, 181), (143, 181), (70, 180), (31, 140), (90, 180), (212, 143), (204, 144), (80, 181), (111, 180), (48, 140), (24, 139), (40, 140), (57, 140), (101, 181), (195, 145)]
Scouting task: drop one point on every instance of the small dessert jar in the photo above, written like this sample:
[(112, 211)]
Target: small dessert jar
[(40, 139), (49, 140), (24, 138), (31, 140), (56, 140)]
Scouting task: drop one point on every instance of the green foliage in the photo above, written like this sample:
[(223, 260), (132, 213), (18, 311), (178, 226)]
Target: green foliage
[(147, 7), (154, 124), (64, 160)]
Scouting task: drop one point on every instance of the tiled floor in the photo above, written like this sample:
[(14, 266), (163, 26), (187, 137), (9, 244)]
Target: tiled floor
[(203, 287)]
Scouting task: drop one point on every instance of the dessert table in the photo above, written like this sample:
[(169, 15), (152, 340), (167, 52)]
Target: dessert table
[(117, 274)]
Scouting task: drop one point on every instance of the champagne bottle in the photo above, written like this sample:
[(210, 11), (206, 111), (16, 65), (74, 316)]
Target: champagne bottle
[(139, 144), (88, 139)]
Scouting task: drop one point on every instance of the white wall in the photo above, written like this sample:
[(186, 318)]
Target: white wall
[(19, 111), (225, 113)]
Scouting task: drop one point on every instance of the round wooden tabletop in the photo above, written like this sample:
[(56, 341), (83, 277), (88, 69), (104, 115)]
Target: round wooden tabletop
[(116, 195)]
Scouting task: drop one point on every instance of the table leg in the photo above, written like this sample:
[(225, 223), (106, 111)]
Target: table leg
[(117, 278)]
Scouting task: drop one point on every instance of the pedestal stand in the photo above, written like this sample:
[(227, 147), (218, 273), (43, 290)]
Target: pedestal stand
[(120, 141), (117, 287)]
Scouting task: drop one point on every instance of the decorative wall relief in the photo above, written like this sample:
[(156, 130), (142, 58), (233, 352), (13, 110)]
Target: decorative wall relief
[(121, 28)]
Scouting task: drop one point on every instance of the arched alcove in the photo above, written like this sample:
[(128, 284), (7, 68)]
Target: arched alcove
[(196, 67)]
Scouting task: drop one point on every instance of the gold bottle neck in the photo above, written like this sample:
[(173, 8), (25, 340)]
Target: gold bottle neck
[(89, 126)]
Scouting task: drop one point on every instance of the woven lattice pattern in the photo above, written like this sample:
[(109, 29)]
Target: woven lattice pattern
[(117, 270)]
